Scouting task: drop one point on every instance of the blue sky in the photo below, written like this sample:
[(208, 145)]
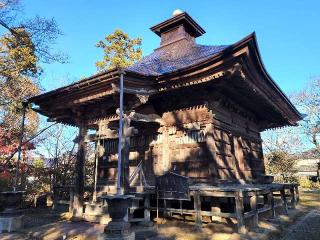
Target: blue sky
[(287, 32)]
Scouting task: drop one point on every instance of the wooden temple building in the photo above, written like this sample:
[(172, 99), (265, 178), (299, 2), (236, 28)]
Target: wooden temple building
[(194, 110)]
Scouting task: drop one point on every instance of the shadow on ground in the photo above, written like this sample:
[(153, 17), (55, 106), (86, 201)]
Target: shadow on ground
[(301, 222)]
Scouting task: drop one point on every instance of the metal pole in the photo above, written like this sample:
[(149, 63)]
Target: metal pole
[(16, 182), (96, 157), (120, 135), (95, 173)]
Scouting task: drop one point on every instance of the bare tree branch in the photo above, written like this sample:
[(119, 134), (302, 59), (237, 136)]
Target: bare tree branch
[(25, 142)]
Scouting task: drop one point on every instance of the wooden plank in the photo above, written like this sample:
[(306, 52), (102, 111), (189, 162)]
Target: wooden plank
[(193, 212), (136, 220), (216, 194), (264, 209)]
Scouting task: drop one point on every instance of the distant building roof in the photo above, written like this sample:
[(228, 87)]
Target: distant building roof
[(309, 154)]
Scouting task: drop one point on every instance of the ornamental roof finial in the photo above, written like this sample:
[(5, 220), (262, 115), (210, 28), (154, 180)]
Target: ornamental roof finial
[(176, 12)]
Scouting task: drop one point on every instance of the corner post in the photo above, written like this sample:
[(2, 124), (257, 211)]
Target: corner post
[(293, 198), (240, 211), (146, 205), (284, 200), (80, 174), (253, 206), (271, 203)]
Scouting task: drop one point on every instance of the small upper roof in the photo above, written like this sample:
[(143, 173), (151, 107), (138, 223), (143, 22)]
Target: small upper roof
[(178, 48), (183, 18)]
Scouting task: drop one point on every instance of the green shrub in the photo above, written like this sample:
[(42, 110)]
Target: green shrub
[(282, 166), (305, 182)]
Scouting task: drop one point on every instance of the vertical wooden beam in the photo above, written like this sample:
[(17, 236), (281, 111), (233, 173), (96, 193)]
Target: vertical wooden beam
[(271, 203), (293, 198), (167, 204), (297, 193), (265, 199), (240, 211), (253, 206), (71, 200), (79, 174), (197, 208), (284, 200), (146, 205)]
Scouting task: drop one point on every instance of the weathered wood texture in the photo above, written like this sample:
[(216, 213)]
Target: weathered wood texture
[(207, 143)]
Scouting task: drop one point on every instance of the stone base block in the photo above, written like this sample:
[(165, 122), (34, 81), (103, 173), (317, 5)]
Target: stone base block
[(11, 223), (104, 236), (117, 231)]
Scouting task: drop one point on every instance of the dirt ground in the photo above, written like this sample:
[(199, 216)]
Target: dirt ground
[(302, 223)]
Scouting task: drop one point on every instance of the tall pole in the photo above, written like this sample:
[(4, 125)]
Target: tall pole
[(96, 157), (120, 135), (16, 181)]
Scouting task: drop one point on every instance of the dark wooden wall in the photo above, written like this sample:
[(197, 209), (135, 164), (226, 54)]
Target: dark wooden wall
[(214, 142)]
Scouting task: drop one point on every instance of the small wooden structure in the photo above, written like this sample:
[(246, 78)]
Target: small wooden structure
[(194, 109)]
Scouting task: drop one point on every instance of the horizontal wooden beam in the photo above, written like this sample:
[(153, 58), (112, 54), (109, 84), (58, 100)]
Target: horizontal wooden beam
[(136, 91)]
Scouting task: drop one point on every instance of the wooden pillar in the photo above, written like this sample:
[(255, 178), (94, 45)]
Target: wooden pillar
[(253, 206), (146, 205), (165, 208), (271, 204), (240, 211), (71, 200), (79, 173), (284, 200), (197, 208), (297, 193), (293, 198)]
